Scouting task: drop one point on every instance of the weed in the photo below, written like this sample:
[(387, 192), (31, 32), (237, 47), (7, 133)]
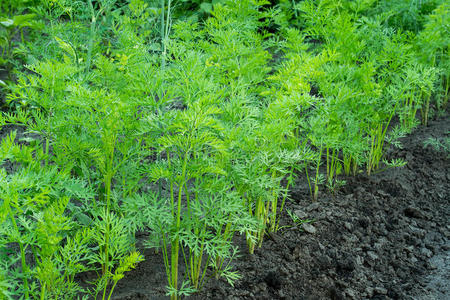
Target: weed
[(440, 145), (297, 221)]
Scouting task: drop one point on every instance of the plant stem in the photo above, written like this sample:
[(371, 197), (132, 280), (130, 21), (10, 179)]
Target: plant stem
[(112, 289), (22, 255), (108, 178), (92, 34), (43, 292), (163, 37), (316, 180), (176, 243), (309, 181), (47, 142), (284, 197)]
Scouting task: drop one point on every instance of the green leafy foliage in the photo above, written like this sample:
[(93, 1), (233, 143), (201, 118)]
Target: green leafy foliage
[(140, 117), (404, 14), (34, 203), (440, 145), (9, 27), (432, 48)]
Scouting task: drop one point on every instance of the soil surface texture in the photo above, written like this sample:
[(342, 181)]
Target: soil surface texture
[(384, 236)]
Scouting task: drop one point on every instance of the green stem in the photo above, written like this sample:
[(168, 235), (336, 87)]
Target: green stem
[(163, 37), (47, 140), (316, 180), (43, 291), (284, 197), (204, 273), (197, 264), (309, 181), (112, 289), (274, 205), (92, 34), (22, 255), (9, 53), (165, 256), (176, 243), (106, 251), (108, 179)]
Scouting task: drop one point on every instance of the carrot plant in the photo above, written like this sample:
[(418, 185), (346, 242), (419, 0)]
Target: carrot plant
[(418, 86), (198, 214), (404, 15), (237, 59), (34, 203), (358, 107), (195, 131), (266, 152), (317, 17), (287, 155), (84, 127), (238, 52), (88, 129), (432, 46), (292, 85)]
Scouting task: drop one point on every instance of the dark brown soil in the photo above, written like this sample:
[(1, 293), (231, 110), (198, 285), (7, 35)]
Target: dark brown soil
[(380, 237)]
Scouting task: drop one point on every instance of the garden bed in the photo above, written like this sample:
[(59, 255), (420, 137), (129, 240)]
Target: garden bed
[(240, 149), (380, 237)]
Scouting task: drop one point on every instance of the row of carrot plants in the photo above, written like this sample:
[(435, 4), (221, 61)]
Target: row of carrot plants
[(194, 129)]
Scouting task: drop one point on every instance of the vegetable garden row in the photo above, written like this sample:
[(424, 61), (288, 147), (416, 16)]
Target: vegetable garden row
[(190, 121)]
